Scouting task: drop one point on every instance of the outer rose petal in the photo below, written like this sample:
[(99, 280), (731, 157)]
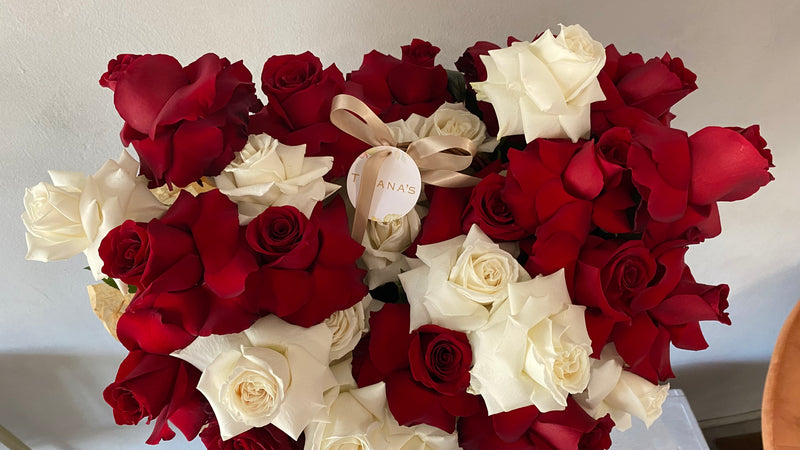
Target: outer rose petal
[(268, 437), (725, 166), (443, 221), (660, 165), (148, 83), (195, 145), (583, 177), (413, 404), (389, 338), (163, 322)]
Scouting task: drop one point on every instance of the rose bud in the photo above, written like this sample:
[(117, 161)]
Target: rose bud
[(125, 250)]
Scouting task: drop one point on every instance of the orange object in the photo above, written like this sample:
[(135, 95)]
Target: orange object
[(780, 407)]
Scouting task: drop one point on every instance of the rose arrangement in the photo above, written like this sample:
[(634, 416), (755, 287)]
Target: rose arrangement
[(526, 297)]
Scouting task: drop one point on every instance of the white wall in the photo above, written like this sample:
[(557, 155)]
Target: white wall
[(55, 357)]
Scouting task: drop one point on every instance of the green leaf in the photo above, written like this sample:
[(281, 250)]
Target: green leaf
[(110, 282)]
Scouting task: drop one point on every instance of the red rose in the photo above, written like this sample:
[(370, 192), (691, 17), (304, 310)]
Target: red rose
[(184, 122), (614, 207), (636, 90), (127, 250), (399, 88), (212, 220), (488, 209), (194, 279), (440, 358), (263, 438), (470, 64), (660, 160), (548, 175), (680, 178), (697, 224), (284, 237), (157, 387), (753, 135), (330, 283), (611, 275), (198, 240), (300, 93), (162, 322), (286, 75), (726, 166), (613, 145), (472, 67), (642, 299), (527, 428), (549, 189), (656, 85), (426, 372), (443, 221), (116, 67)]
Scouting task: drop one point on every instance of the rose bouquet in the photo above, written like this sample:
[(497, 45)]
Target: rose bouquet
[(507, 270)]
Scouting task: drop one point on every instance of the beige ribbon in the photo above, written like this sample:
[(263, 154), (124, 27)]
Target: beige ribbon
[(439, 158)]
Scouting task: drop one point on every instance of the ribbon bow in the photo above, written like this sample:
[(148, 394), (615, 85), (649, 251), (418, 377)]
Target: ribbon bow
[(439, 158)]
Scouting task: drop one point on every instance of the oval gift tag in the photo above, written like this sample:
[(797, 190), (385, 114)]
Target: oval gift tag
[(397, 188)]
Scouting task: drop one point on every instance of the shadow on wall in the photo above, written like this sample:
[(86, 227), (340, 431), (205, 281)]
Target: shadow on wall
[(721, 389), (55, 401)]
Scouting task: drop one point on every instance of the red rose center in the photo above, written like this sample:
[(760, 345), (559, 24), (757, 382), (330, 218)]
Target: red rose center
[(632, 275), (443, 360), (295, 77)]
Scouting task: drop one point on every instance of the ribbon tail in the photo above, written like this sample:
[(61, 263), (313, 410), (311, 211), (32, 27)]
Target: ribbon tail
[(448, 179), (366, 190)]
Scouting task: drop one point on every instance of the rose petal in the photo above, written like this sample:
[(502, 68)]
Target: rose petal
[(148, 84), (412, 404), (389, 338), (725, 166)]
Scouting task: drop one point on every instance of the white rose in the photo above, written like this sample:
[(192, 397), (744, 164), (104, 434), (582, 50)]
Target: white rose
[(354, 417), (417, 437), (75, 212), (384, 244), (347, 326), (266, 173), (620, 393), (273, 372), (534, 350), (450, 119), (359, 419), (544, 88), (460, 282)]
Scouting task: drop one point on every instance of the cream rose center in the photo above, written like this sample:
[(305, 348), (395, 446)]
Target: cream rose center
[(392, 236), (347, 443), (54, 209), (255, 388), (486, 273), (252, 394), (571, 369)]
